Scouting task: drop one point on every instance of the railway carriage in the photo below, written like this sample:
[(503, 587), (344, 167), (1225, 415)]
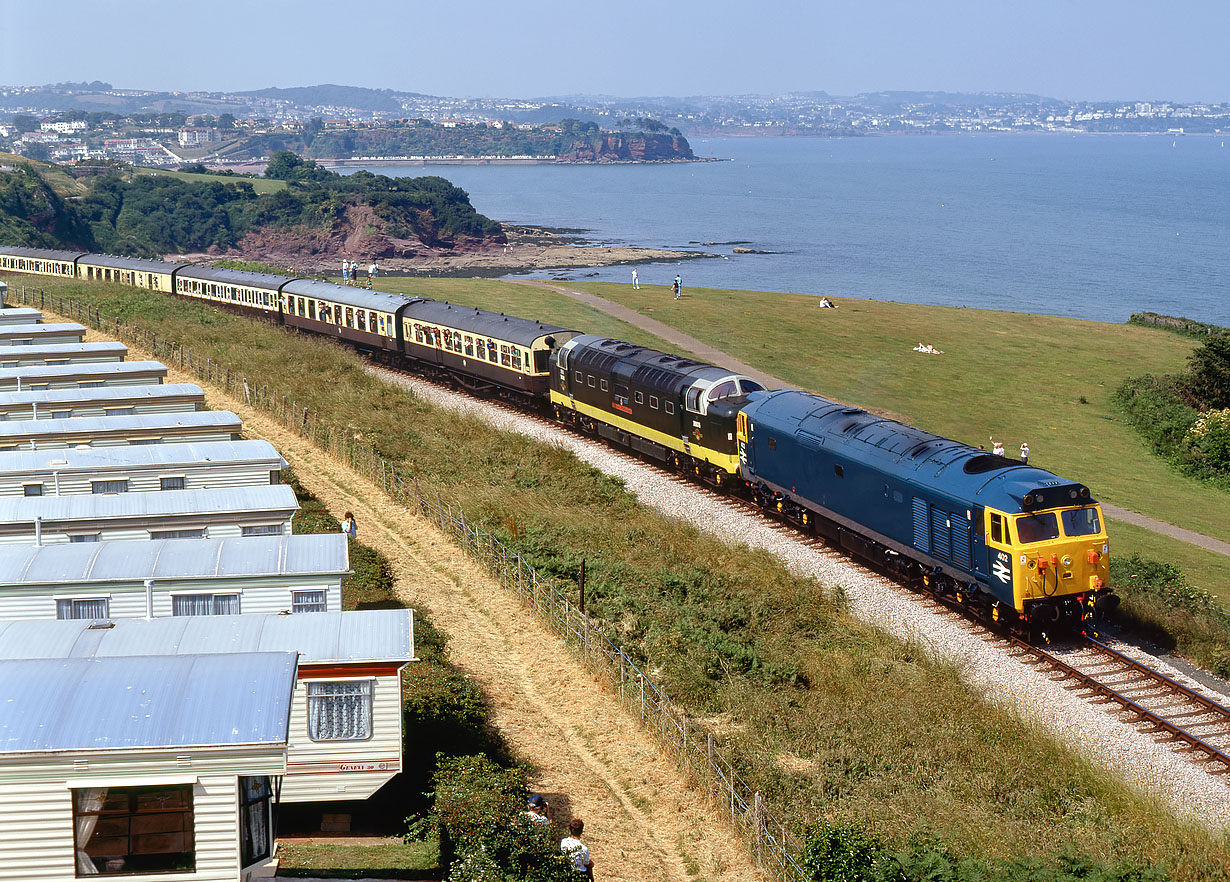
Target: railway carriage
[(1011, 540), (482, 350), (40, 261), (673, 409), (369, 319), (153, 275), (243, 291)]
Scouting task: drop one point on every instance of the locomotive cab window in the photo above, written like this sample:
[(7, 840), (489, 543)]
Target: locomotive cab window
[(999, 529), (1081, 522), (1037, 528), (591, 381), (653, 401), (580, 377), (692, 400), (604, 386)]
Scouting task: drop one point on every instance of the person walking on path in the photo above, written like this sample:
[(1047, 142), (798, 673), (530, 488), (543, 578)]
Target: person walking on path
[(678, 285), (345, 271), (349, 527), (1025, 452), (576, 850), (636, 280), (354, 272)]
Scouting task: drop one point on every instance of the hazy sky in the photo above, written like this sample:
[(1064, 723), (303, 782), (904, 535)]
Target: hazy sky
[(1070, 49)]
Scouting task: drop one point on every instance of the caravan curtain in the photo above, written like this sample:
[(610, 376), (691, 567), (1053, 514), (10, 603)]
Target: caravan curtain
[(340, 711), (89, 800), (255, 796)]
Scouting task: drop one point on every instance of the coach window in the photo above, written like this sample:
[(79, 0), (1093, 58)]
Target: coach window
[(301, 309), (516, 358), (361, 318), (349, 317), (640, 397), (418, 334), (470, 346), (311, 309), (492, 353), (371, 321), (504, 360)]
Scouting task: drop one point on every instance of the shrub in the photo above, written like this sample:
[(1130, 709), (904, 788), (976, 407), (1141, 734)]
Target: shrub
[(478, 809), (1209, 438)]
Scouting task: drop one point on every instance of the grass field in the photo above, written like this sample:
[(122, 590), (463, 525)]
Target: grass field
[(826, 715), (359, 860), (260, 185)]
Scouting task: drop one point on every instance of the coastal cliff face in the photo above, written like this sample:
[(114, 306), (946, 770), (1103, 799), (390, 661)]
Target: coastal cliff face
[(624, 147)]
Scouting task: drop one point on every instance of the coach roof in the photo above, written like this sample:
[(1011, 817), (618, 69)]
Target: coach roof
[(362, 298), (138, 264), (264, 281), (498, 326)]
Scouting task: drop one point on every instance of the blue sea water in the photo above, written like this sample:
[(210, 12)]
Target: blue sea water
[(1095, 227)]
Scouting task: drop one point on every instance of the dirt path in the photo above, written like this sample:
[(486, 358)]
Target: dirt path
[(591, 759)]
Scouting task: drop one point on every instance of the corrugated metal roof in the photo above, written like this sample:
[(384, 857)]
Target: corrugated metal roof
[(267, 281), (140, 264), (355, 636), (381, 301), (101, 369), (145, 702), (137, 423), (128, 456), (20, 315), (478, 321), (90, 507), (43, 253), (101, 393), (61, 349), (42, 330), (171, 559)]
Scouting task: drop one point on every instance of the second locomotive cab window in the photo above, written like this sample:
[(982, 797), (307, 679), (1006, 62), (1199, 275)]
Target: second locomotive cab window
[(997, 529), (1037, 528), (1081, 522), (640, 397)]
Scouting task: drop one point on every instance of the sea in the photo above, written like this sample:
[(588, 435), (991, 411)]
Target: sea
[(1090, 226)]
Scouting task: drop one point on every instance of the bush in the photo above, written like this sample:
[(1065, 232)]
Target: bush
[(478, 810), (847, 854), (1209, 438)]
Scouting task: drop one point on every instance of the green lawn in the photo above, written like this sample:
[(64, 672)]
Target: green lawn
[(348, 860), (260, 185)]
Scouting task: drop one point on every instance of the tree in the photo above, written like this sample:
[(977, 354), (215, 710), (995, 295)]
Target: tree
[(25, 123), (38, 151), (1208, 380), (226, 121)]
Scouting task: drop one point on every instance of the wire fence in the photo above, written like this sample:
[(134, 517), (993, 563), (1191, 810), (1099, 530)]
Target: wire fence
[(694, 749)]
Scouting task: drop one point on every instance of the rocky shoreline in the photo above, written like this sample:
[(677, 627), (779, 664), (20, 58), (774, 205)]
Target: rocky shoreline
[(527, 249)]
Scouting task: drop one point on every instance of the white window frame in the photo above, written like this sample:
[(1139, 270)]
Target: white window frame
[(371, 702)]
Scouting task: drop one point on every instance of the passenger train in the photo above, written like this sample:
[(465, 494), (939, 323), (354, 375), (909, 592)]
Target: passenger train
[(1015, 544)]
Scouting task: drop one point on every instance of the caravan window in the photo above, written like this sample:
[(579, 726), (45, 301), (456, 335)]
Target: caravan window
[(141, 829), (339, 710)]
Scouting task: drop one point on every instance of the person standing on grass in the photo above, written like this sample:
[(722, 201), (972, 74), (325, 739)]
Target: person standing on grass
[(1025, 452), (349, 527), (636, 280), (678, 285), (576, 850), (345, 271)]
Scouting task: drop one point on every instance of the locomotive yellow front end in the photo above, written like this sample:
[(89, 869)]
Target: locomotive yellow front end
[(1057, 559)]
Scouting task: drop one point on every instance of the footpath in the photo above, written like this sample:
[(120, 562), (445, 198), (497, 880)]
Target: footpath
[(716, 356)]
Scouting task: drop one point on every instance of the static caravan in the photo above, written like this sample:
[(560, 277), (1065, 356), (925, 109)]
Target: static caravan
[(140, 469), (174, 577), (20, 315), (31, 335), (188, 514), (114, 401), (34, 378), (154, 275), (118, 431), (165, 767), (345, 739), (62, 353)]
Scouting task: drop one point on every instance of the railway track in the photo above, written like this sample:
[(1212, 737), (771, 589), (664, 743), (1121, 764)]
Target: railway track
[(1138, 695)]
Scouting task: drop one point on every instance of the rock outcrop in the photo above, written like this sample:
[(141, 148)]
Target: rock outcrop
[(623, 147)]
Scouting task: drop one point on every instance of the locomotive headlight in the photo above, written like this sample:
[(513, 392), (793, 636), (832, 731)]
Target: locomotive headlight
[(1072, 494), (1067, 561), (1029, 499), (1084, 493)]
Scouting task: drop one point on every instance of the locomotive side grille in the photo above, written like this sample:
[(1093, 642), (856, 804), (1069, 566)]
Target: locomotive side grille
[(961, 544), (922, 529), (939, 533)]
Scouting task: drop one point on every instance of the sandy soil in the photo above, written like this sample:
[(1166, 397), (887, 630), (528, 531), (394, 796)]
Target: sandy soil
[(590, 758)]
